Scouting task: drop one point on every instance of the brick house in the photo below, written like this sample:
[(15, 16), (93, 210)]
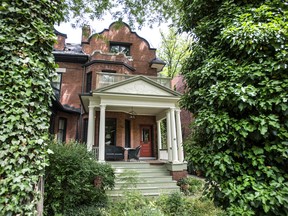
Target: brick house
[(178, 84), (108, 93)]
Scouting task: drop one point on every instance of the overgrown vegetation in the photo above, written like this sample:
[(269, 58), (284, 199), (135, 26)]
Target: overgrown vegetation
[(26, 67), (191, 185), (237, 81), (175, 204), (133, 203), (173, 50), (74, 181)]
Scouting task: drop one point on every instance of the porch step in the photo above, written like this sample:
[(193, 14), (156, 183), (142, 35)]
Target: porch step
[(151, 179)]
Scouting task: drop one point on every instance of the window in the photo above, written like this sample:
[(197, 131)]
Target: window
[(107, 79), (145, 135), (89, 82), (85, 130), (56, 81), (56, 84), (62, 126), (110, 131), (120, 48)]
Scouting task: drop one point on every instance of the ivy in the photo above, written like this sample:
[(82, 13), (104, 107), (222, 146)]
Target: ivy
[(237, 84), (26, 67)]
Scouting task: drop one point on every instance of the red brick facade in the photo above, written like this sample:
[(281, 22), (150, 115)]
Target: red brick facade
[(93, 55)]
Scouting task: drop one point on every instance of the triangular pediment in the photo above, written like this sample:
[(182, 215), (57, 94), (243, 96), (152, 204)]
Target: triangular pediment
[(139, 85)]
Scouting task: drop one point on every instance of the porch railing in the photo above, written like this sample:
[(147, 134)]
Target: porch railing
[(104, 79), (95, 152)]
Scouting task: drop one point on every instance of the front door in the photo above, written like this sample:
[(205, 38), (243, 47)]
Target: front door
[(146, 141)]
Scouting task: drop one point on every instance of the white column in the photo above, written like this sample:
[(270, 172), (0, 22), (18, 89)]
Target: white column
[(179, 136), (173, 136), (168, 121), (159, 140), (102, 134), (91, 128)]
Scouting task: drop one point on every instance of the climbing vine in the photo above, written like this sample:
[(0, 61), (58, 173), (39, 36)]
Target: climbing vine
[(26, 67), (238, 90)]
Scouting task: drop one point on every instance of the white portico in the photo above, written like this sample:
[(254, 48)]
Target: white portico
[(150, 102)]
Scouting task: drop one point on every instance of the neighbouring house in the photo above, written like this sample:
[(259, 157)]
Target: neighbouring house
[(108, 92), (178, 84)]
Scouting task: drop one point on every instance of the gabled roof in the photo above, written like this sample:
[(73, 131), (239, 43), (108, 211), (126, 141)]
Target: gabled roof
[(138, 85), (118, 24)]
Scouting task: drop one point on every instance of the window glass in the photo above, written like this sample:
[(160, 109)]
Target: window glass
[(56, 84), (120, 48), (85, 130), (145, 135), (89, 82), (110, 131), (61, 135)]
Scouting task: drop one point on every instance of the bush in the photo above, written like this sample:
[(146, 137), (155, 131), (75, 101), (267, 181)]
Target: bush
[(190, 185), (237, 89), (85, 210), (74, 179), (133, 203), (176, 204)]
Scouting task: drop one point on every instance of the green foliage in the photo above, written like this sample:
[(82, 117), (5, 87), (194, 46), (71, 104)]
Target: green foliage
[(26, 67), (190, 185), (135, 204), (132, 203), (86, 210), (238, 91), (176, 204), (70, 179), (173, 50), (130, 179)]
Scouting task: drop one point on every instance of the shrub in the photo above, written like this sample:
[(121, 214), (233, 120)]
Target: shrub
[(237, 90), (85, 210), (133, 203), (70, 179), (176, 204), (190, 185)]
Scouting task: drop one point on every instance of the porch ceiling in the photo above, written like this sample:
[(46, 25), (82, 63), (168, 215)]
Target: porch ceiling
[(138, 110)]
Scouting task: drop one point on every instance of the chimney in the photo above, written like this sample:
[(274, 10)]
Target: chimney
[(86, 32)]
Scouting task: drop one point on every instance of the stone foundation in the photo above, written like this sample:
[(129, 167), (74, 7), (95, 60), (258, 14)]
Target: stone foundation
[(176, 175), (177, 170)]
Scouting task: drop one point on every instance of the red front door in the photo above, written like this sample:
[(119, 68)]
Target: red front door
[(146, 141)]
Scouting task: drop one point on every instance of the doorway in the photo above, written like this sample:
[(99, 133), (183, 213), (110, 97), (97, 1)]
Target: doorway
[(146, 140)]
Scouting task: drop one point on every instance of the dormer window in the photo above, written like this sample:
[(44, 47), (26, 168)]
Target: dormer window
[(116, 47)]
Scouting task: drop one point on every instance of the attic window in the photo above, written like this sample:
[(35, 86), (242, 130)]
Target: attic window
[(120, 48)]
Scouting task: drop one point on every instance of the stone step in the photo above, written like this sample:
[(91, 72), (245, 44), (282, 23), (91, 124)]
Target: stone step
[(156, 168), (145, 190), (151, 179), (129, 164), (146, 174), (148, 184)]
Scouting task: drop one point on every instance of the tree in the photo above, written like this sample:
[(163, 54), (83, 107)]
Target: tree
[(174, 49), (238, 91), (26, 68)]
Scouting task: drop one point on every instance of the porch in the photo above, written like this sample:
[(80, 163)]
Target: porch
[(144, 104)]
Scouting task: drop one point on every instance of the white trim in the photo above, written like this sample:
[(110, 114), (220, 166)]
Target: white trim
[(60, 70)]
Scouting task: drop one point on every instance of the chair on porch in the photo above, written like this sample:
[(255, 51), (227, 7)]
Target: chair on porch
[(134, 153)]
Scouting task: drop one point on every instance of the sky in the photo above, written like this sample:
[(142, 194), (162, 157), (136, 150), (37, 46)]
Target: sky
[(74, 35)]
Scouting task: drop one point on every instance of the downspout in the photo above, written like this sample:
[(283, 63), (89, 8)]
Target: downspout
[(81, 107)]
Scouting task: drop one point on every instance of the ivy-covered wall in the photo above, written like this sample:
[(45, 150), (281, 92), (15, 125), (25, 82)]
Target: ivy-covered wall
[(26, 67), (237, 77)]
